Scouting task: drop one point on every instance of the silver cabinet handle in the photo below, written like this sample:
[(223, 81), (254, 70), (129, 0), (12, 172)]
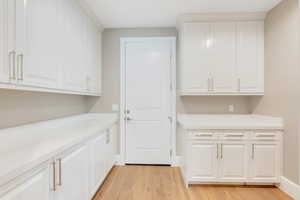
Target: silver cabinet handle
[(54, 176), (208, 84), (12, 65), (221, 151), (252, 156), (128, 118), (217, 151), (212, 84), (203, 135), (60, 173), (20, 60), (239, 84), (107, 138), (88, 83)]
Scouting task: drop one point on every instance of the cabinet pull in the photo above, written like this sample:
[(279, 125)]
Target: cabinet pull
[(261, 135), (203, 135), (231, 135), (212, 84), (20, 59), (208, 85), (217, 151), (12, 64), (221, 151), (252, 156), (239, 84), (60, 173), (54, 176)]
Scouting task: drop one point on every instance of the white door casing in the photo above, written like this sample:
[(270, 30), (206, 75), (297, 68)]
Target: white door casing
[(147, 100)]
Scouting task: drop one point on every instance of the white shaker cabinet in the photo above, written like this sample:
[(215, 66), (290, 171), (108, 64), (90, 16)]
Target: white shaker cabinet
[(98, 163), (36, 43), (223, 71), (49, 46), (7, 38), (196, 51), (250, 57), (203, 161), (221, 56), (73, 175), (265, 162), (35, 185), (233, 161)]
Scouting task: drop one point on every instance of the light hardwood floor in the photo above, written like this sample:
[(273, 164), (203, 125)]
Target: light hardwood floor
[(165, 183)]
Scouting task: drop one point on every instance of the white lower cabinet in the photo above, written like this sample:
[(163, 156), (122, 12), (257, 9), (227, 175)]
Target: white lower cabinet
[(203, 161), (75, 174), (33, 186), (233, 162), (265, 162), (231, 157)]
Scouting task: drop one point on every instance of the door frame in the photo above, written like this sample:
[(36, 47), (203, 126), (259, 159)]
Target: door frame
[(123, 41)]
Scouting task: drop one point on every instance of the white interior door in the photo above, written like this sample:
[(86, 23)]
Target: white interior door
[(147, 101)]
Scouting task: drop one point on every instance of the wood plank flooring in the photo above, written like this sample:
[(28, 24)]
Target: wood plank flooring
[(165, 183)]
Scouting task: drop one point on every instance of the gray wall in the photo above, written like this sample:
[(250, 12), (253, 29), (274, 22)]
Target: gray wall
[(18, 107), (282, 90), (111, 77)]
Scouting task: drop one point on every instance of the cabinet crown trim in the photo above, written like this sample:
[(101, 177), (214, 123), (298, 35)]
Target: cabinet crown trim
[(217, 17)]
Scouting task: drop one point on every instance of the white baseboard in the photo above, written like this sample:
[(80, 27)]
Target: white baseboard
[(118, 160), (289, 187), (177, 161)]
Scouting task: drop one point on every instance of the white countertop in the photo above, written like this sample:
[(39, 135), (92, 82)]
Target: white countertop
[(188, 121), (23, 147)]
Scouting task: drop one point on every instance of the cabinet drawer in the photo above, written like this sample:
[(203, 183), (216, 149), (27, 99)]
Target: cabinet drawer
[(203, 135), (234, 136), (265, 135)]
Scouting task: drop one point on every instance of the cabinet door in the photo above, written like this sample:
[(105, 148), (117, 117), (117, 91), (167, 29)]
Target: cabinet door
[(92, 64), (36, 186), (250, 56), (233, 162), (73, 177), (202, 159), (265, 165), (72, 27), (36, 43), (196, 58), (98, 159), (224, 60), (7, 34)]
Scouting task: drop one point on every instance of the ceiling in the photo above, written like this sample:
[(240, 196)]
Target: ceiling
[(163, 13)]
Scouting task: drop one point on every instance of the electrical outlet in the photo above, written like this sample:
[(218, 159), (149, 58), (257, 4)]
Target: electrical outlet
[(231, 108), (115, 107)]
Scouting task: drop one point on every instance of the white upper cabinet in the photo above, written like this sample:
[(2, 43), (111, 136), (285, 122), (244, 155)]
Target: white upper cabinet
[(250, 56), (197, 56), (73, 60), (222, 56), (50, 45), (36, 43), (7, 34)]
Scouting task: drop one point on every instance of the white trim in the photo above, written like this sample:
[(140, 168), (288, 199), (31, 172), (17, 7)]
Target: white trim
[(289, 187), (44, 90), (122, 93), (213, 17)]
